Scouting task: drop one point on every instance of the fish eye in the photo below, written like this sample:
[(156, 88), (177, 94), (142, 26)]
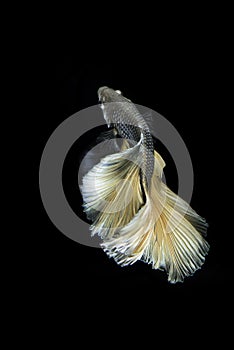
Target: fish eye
[(118, 92)]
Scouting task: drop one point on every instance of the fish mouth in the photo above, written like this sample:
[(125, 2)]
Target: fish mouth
[(101, 97)]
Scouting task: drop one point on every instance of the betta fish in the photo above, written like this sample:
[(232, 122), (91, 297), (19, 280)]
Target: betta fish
[(133, 211)]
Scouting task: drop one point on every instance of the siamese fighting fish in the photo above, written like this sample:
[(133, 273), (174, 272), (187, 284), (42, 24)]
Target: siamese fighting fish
[(131, 208)]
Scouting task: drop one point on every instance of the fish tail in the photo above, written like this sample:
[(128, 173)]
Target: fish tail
[(165, 232), (112, 191)]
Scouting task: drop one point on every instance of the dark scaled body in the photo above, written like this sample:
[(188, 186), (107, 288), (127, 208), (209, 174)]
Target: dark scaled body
[(129, 124)]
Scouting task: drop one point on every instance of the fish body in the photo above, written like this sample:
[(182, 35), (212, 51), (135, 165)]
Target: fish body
[(130, 124), (137, 216)]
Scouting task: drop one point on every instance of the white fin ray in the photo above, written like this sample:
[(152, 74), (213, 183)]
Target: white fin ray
[(112, 191), (161, 234)]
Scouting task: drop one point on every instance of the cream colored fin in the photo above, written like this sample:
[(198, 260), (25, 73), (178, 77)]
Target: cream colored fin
[(129, 245), (179, 247), (99, 151), (184, 209), (163, 233), (159, 164), (112, 191)]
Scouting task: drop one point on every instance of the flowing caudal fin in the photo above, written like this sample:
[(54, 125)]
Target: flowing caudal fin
[(107, 146), (165, 232), (112, 191)]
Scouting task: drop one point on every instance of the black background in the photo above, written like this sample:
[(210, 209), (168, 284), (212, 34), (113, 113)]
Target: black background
[(181, 86)]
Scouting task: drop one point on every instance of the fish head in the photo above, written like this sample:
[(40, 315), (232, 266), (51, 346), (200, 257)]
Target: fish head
[(106, 94), (110, 100)]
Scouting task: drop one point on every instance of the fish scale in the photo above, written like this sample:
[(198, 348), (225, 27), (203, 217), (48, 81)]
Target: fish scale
[(130, 124)]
